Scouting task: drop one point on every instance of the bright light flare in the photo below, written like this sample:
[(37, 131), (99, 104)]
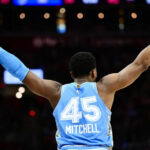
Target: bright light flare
[(62, 10), (18, 95), (101, 15), (47, 15), (80, 15), (22, 16), (134, 15), (21, 90)]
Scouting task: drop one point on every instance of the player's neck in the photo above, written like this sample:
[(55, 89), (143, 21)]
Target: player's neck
[(82, 80)]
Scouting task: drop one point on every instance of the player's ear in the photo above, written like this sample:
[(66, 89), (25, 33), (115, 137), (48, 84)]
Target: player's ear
[(72, 76), (93, 74)]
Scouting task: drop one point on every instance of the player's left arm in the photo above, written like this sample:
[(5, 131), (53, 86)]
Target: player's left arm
[(116, 81)]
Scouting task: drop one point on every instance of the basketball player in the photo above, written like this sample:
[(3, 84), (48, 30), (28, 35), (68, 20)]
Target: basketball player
[(82, 109)]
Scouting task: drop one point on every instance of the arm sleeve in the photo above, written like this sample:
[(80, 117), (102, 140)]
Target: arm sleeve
[(13, 65)]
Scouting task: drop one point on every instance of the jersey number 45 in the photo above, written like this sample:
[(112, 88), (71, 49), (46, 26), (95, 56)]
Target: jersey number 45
[(88, 105)]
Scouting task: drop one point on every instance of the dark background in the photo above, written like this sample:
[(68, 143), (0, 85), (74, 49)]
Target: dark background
[(36, 42)]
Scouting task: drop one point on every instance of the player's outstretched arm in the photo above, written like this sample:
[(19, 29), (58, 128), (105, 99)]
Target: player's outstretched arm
[(129, 74), (46, 88)]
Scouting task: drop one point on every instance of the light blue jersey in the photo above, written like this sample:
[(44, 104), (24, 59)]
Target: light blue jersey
[(82, 119)]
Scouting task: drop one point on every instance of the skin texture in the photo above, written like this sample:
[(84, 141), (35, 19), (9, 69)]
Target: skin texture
[(107, 86)]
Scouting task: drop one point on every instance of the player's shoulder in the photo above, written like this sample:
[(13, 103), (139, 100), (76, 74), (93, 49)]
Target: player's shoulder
[(102, 84), (107, 81)]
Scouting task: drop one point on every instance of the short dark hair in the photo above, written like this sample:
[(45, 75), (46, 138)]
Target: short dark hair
[(82, 63)]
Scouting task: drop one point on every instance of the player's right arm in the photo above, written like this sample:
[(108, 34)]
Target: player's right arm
[(48, 89), (116, 81), (129, 74), (45, 88)]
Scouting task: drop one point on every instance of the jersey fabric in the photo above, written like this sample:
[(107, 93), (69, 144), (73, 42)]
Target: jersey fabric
[(82, 119)]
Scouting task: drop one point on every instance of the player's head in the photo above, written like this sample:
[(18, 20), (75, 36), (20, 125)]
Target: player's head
[(83, 64)]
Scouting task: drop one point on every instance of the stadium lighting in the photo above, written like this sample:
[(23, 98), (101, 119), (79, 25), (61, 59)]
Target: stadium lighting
[(62, 10), (148, 1), (5, 1), (113, 2), (47, 15), (61, 28), (101, 15), (22, 16), (69, 1), (18, 95), (21, 90), (80, 15), (134, 15), (61, 21), (37, 2), (90, 1)]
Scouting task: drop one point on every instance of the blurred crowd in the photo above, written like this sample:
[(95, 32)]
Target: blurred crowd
[(131, 109)]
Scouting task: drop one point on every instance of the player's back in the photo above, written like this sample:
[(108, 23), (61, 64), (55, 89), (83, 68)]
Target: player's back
[(82, 118)]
